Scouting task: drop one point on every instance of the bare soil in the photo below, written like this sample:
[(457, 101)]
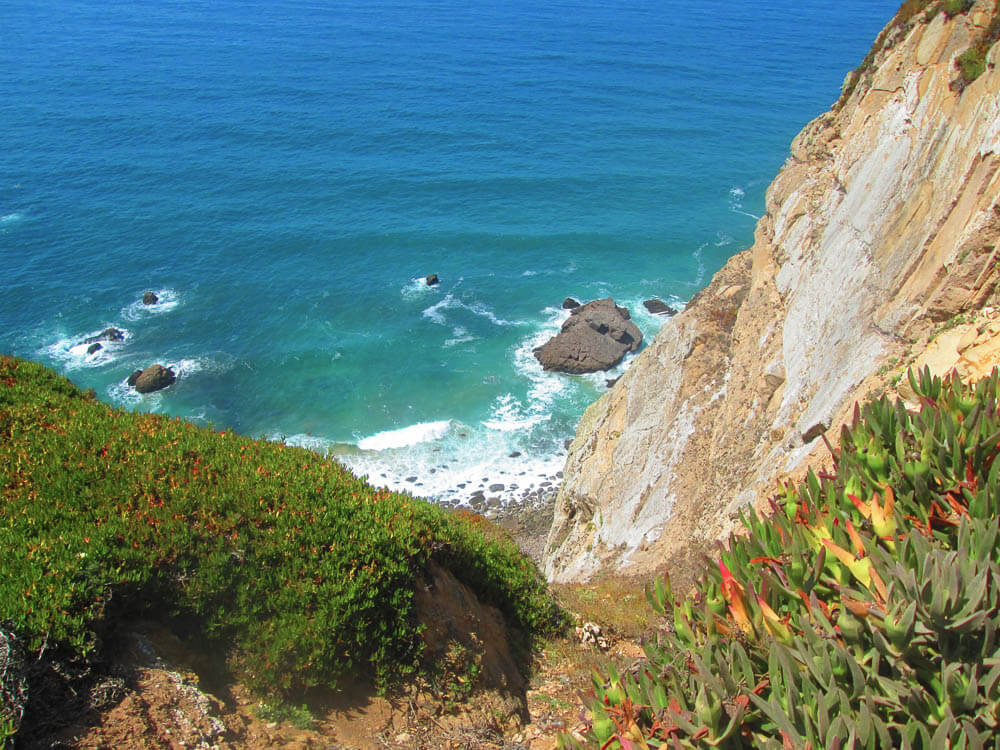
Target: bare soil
[(165, 693)]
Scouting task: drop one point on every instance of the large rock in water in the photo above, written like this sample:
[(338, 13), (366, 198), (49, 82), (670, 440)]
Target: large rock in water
[(153, 378), (597, 336)]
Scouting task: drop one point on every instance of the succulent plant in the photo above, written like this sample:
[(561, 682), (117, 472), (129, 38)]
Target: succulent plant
[(863, 612)]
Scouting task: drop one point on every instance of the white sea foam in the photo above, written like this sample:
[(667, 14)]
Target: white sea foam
[(699, 277), (736, 196), (545, 386), (436, 312), (459, 336), (71, 351), (123, 394), (417, 287), (405, 436), (11, 217), (455, 465), (508, 414), (167, 300), (650, 323), (314, 443)]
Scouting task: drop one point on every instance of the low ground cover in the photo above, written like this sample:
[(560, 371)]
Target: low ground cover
[(863, 612), (304, 571)]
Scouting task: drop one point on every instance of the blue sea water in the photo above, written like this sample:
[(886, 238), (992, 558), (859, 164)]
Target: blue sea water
[(283, 174)]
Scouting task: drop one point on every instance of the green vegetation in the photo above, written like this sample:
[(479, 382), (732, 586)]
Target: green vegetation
[(971, 63), (297, 716), (950, 8), (304, 570), (865, 612)]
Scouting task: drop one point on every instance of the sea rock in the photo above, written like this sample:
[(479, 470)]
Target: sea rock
[(814, 432), (432, 280), (94, 348), (658, 307), (133, 378), (149, 298), (570, 304), (153, 378), (108, 334), (597, 336)]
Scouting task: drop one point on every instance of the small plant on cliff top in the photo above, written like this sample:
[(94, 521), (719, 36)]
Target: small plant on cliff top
[(865, 612)]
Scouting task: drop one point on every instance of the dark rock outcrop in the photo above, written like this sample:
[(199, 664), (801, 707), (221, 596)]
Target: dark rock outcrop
[(570, 304), (432, 280), (108, 334), (658, 307), (597, 336), (149, 298), (153, 378), (95, 347)]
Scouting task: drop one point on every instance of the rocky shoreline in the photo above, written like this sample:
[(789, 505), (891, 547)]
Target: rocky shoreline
[(526, 516)]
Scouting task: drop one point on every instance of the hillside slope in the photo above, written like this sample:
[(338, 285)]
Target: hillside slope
[(879, 229)]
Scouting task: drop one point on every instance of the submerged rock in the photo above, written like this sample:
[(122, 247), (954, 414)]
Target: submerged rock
[(149, 298), (432, 280), (108, 334), (597, 336), (658, 307), (153, 378)]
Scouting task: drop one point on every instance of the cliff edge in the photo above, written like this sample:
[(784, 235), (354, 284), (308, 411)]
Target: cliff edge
[(881, 227)]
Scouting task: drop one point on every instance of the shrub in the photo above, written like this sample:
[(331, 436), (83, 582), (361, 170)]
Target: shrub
[(305, 569), (972, 62), (865, 612)]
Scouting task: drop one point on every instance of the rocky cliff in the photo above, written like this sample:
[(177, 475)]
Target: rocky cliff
[(880, 229)]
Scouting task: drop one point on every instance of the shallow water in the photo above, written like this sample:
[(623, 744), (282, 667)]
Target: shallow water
[(284, 175)]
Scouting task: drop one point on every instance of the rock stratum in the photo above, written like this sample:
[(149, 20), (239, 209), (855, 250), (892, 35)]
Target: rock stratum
[(879, 230)]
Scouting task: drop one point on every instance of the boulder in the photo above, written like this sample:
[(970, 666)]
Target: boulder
[(432, 280), (153, 378), (108, 334), (570, 304), (133, 378), (658, 307), (597, 336), (95, 347), (149, 298)]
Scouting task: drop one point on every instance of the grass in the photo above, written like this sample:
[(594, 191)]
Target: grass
[(304, 572), (618, 604)]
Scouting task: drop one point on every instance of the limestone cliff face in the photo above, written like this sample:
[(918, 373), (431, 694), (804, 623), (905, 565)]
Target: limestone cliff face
[(882, 224)]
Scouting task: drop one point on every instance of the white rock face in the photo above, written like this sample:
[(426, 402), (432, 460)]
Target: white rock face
[(882, 224)]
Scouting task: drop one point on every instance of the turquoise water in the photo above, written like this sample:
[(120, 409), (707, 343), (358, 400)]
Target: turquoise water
[(283, 175)]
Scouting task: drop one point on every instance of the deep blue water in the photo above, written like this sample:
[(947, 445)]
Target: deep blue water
[(282, 174)]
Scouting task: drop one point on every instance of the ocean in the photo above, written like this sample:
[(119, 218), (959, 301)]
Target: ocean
[(283, 175)]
